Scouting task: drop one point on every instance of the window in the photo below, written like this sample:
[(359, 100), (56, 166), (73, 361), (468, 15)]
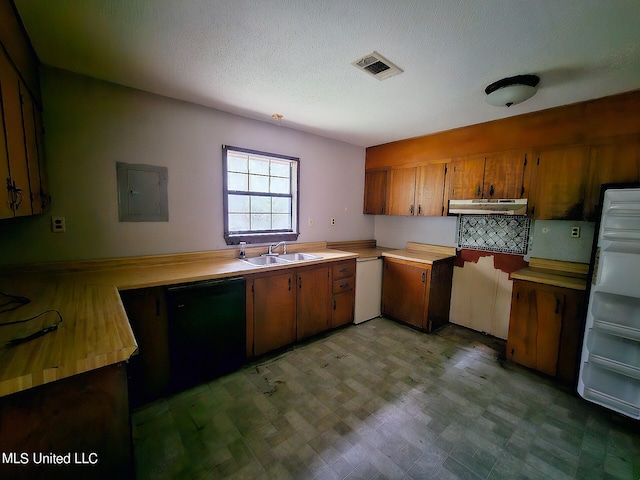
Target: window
[(260, 196)]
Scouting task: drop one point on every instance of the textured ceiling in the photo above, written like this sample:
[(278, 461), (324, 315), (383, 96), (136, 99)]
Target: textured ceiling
[(293, 57)]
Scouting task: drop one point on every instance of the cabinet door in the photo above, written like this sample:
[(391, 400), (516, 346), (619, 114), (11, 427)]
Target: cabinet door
[(343, 305), (404, 288), (15, 143), (430, 189), (6, 197), (534, 326), (504, 175), (29, 112), (467, 176), (558, 181), (274, 310), (149, 371), (314, 301), (615, 163), (375, 192), (402, 185)]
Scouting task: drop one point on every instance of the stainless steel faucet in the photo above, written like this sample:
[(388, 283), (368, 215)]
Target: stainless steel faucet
[(274, 246)]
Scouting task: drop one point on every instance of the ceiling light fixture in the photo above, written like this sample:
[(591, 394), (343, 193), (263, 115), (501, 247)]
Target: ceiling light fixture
[(277, 117), (512, 90)]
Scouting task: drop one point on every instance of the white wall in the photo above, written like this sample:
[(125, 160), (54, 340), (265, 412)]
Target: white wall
[(90, 125), (395, 232)]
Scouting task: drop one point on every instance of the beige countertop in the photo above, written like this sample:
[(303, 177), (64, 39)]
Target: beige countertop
[(95, 330), (427, 254), (553, 272)]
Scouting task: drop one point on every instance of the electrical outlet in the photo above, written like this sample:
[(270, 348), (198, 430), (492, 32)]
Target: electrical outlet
[(58, 225), (575, 232), (310, 223), (333, 221)]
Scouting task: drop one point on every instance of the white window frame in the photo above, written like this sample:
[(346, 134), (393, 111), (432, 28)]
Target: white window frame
[(266, 235)]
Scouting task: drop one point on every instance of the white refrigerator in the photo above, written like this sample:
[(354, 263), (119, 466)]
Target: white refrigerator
[(610, 360)]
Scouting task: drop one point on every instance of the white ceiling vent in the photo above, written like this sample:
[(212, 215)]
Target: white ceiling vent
[(377, 66)]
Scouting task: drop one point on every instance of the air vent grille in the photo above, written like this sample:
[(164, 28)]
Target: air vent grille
[(377, 66)]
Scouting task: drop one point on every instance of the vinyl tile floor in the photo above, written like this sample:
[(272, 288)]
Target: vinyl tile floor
[(382, 401)]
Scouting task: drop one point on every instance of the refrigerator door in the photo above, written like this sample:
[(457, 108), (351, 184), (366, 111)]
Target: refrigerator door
[(610, 360)]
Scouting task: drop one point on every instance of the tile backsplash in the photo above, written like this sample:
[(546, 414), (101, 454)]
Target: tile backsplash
[(494, 233)]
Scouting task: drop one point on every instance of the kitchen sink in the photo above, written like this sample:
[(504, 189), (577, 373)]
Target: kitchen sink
[(298, 257), (265, 260)]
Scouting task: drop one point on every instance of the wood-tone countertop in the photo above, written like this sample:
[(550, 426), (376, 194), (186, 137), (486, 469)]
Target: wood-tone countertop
[(553, 272), (94, 332), (422, 253)]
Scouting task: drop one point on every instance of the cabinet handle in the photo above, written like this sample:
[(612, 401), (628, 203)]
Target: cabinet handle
[(557, 306), (424, 277), (300, 282), (289, 283), (491, 191), (344, 285), (382, 210), (478, 191), (419, 209), (343, 270), (334, 303), (411, 210)]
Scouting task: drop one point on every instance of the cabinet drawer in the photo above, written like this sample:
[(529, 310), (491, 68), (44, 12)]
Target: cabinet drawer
[(344, 269), (343, 284)]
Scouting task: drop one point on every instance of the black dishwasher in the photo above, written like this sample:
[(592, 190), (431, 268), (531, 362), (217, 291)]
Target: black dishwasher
[(207, 330)]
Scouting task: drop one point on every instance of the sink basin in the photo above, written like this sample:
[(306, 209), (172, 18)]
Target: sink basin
[(298, 257), (265, 260)]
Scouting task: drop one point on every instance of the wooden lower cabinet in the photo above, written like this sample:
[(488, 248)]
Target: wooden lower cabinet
[(313, 302), (417, 294), (84, 417), (294, 304), (149, 370), (273, 310), (544, 328), (343, 293)]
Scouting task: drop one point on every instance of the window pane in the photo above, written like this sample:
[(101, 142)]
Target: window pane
[(239, 204), (280, 169), (280, 185), (260, 221), (281, 205), (237, 163), (258, 183), (282, 221), (239, 222), (261, 204), (238, 181), (258, 166)]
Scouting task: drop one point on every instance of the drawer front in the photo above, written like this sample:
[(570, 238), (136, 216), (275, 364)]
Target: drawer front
[(343, 284), (344, 269)]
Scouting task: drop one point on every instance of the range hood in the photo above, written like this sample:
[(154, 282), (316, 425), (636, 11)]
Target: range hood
[(489, 206)]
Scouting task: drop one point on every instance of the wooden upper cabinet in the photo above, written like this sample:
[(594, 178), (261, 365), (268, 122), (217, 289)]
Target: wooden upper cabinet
[(467, 176), (613, 163), (402, 187), (558, 182), (418, 191), (495, 175), (375, 192), (504, 174), (430, 189), (18, 181)]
